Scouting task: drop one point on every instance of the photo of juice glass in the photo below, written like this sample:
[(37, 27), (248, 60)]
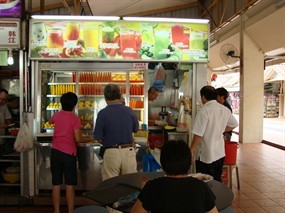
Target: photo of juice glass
[(147, 34), (39, 31), (90, 34), (196, 40), (161, 41), (128, 44), (72, 31), (180, 36), (107, 35), (55, 38)]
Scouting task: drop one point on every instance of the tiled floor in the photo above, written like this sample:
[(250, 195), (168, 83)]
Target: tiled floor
[(262, 177)]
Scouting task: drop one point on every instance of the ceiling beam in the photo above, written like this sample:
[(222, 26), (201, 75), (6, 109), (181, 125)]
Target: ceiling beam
[(163, 10), (51, 7)]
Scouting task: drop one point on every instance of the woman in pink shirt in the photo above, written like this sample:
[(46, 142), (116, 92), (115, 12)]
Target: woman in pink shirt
[(63, 150)]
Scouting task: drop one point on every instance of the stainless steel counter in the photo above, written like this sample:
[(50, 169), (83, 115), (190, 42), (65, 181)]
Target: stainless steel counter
[(88, 165)]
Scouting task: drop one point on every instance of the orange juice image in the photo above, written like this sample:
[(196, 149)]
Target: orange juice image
[(128, 44), (72, 31), (90, 40), (55, 38), (180, 37)]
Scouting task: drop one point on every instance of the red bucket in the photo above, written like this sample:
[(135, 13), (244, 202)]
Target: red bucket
[(231, 153)]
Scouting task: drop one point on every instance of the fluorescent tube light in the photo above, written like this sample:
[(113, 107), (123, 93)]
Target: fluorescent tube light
[(87, 18), (156, 19)]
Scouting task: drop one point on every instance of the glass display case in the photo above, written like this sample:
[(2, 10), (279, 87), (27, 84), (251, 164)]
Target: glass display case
[(87, 81), (89, 85)]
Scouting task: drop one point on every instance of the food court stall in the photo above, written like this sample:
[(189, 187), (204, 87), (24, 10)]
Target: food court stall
[(83, 54)]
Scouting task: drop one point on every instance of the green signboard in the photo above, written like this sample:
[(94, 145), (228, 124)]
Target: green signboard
[(119, 40), (3, 58)]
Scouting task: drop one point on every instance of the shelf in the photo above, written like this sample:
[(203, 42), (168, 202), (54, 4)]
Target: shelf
[(53, 108), (65, 83), (7, 136), (10, 184), (10, 160), (90, 96), (138, 109), (137, 96), (53, 96), (139, 82)]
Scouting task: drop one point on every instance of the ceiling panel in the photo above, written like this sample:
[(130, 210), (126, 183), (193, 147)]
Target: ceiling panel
[(125, 7)]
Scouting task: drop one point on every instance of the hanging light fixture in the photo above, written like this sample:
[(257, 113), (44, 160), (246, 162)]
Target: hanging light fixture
[(10, 58)]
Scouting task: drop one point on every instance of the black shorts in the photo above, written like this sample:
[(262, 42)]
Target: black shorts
[(63, 166)]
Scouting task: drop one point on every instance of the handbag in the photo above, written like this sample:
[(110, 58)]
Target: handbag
[(24, 141)]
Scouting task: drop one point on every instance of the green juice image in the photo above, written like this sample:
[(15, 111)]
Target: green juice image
[(161, 41), (196, 40), (107, 35)]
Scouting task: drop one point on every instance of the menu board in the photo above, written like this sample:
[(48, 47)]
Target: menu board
[(10, 8), (119, 40)]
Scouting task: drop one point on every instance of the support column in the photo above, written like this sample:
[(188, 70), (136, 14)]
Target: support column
[(282, 100), (252, 90)]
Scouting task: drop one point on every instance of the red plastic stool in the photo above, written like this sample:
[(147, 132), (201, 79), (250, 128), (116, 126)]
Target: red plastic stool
[(230, 161)]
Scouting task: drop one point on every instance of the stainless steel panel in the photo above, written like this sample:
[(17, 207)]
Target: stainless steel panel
[(88, 167)]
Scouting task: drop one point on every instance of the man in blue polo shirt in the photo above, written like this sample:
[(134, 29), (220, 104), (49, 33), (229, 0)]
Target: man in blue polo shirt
[(114, 127)]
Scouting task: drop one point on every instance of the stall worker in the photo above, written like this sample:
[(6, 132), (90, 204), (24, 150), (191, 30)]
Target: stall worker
[(152, 95), (5, 116)]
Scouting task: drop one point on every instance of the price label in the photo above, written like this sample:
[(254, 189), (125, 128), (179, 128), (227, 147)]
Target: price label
[(9, 34), (140, 66)]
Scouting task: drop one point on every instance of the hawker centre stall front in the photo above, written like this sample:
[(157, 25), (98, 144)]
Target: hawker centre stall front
[(82, 54)]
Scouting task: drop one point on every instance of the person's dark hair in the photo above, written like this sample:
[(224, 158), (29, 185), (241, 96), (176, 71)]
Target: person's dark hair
[(152, 90), (4, 90), (209, 92), (175, 157), (223, 92), (68, 101), (112, 92)]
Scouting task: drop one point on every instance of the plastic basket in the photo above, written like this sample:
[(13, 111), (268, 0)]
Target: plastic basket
[(141, 137), (231, 152), (141, 133)]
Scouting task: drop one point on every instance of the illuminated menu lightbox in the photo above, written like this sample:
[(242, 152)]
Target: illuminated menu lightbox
[(119, 40)]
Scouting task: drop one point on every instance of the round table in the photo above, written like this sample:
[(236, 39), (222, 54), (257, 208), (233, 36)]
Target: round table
[(110, 190)]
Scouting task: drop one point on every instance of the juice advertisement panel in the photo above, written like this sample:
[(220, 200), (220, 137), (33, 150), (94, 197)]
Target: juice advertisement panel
[(119, 40)]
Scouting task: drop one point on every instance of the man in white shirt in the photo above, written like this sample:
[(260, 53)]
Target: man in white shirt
[(208, 143), (5, 115)]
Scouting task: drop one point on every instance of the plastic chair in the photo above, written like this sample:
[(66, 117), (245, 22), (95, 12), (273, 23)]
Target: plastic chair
[(230, 161), (90, 209)]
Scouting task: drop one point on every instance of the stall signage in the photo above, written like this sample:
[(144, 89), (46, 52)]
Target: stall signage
[(119, 40), (10, 8), (140, 66), (9, 34)]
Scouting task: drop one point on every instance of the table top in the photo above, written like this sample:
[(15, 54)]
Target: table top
[(110, 190)]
